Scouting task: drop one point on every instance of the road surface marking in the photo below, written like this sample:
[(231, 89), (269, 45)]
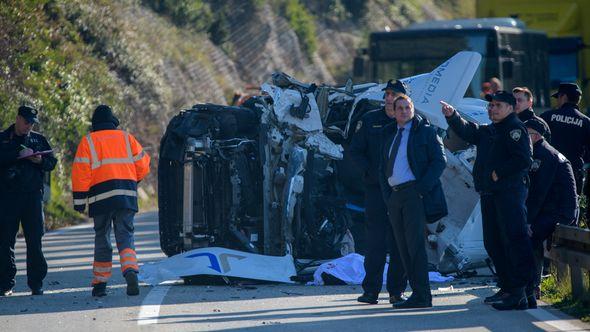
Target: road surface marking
[(150, 307), (548, 318)]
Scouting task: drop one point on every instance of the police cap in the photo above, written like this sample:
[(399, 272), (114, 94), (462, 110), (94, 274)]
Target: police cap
[(567, 88), (29, 113), (398, 86), (537, 125), (503, 96)]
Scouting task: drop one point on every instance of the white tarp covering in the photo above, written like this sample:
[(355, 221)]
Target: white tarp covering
[(351, 270), (219, 262)]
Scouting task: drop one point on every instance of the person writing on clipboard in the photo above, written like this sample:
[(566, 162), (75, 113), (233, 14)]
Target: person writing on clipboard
[(25, 156)]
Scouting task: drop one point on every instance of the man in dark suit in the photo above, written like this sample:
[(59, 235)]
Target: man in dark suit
[(413, 161), (365, 151)]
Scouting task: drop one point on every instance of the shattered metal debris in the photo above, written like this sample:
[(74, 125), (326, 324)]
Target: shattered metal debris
[(272, 177)]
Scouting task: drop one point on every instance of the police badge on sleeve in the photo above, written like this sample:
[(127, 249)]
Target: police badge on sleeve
[(515, 134), (358, 126)]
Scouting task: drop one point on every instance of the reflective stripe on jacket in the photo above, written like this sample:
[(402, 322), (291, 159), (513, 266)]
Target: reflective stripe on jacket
[(107, 166)]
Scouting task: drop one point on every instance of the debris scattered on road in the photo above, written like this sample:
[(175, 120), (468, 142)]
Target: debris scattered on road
[(446, 289)]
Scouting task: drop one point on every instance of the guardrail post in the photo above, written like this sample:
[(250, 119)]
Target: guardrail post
[(561, 270), (577, 282)]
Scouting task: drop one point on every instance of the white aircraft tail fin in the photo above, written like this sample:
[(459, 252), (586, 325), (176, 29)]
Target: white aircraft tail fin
[(447, 82)]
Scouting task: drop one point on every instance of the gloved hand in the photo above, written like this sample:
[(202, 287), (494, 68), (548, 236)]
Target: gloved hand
[(80, 208)]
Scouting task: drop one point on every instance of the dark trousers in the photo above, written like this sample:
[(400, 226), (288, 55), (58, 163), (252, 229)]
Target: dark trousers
[(122, 220), (505, 237), (408, 220), (380, 241), (25, 209)]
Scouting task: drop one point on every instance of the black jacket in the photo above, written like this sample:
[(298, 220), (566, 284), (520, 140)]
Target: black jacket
[(426, 156), (570, 133), (22, 175), (365, 148), (504, 147), (552, 196)]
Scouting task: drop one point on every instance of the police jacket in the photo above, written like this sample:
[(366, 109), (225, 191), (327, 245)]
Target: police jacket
[(427, 161), (502, 147), (23, 175), (530, 114), (553, 187), (108, 165), (365, 148), (570, 133)]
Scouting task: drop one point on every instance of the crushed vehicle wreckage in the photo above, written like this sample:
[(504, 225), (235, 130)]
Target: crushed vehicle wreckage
[(272, 176)]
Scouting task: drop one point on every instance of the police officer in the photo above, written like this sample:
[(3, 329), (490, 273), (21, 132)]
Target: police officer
[(552, 197), (500, 176), (24, 158), (365, 151), (570, 129), (524, 107)]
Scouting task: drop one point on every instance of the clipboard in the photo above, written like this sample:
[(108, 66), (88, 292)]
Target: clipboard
[(38, 153)]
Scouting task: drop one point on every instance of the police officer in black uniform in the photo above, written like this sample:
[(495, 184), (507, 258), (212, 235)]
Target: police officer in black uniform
[(500, 175), (365, 151), (524, 107), (24, 158), (570, 129), (552, 196)]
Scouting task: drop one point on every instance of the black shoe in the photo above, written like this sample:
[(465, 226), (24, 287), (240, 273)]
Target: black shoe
[(413, 302), (498, 297), (369, 298), (100, 289), (532, 302), (37, 291), (6, 292), (132, 283), (397, 298), (530, 297), (513, 302)]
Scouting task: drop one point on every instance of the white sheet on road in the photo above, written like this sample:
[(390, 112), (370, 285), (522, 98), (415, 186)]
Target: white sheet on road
[(219, 262), (351, 270)]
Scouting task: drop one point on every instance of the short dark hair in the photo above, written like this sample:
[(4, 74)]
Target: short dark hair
[(527, 93), (404, 97)]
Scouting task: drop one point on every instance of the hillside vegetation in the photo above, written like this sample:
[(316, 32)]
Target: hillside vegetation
[(150, 58)]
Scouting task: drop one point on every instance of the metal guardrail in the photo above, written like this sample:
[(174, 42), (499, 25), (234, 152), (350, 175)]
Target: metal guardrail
[(571, 248)]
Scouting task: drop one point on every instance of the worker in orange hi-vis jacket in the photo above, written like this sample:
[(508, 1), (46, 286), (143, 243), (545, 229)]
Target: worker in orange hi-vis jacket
[(108, 165)]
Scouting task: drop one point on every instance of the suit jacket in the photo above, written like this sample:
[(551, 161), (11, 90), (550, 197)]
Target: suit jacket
[(427, 161)]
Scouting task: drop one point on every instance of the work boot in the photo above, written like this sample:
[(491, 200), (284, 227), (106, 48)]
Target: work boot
[(369, 298), (132, 283), (498, 297), (515, 301), (100, 289), (6, 292), (393, 299)]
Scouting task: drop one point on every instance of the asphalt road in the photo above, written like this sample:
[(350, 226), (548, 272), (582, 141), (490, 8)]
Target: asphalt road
[(68, 305)]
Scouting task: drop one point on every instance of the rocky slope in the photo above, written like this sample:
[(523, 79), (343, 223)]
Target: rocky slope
[(150, 58)]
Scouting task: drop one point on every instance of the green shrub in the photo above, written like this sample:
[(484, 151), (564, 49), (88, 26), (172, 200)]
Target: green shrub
[(558, 293), (302, 22)]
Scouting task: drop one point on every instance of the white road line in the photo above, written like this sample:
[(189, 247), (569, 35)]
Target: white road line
[(550, 319), (150, 307)]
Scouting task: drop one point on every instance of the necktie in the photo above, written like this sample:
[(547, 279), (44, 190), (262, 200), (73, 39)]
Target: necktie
[(393, 153)]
